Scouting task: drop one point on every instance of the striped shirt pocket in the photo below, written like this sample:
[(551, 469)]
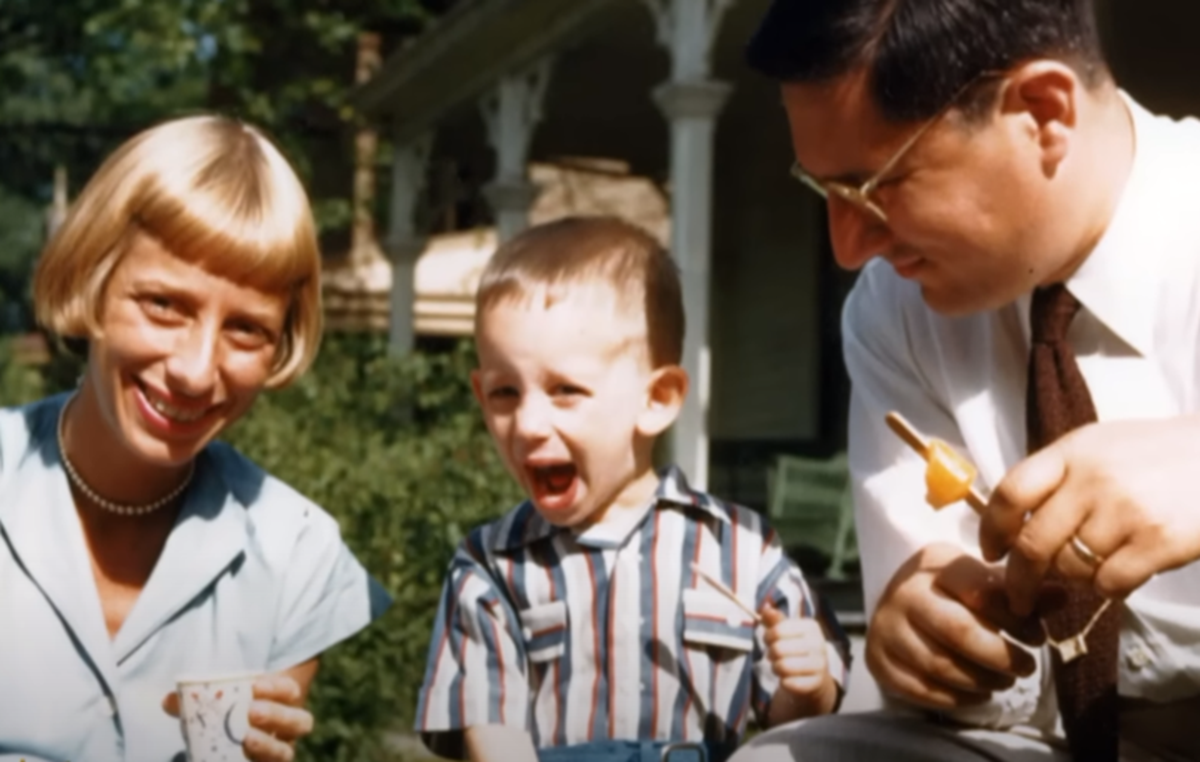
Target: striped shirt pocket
[(544, 628), (709, 619)]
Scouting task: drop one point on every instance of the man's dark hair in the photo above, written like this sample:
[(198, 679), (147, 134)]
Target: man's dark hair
[(921, 53)]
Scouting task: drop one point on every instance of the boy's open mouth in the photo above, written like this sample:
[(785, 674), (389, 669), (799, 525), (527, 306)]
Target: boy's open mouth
[(554, 486)]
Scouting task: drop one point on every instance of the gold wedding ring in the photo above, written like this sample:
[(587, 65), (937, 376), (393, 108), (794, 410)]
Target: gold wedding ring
[(1089, 556)]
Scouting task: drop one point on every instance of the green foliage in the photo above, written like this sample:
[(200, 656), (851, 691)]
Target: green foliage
[(19, 383), (396, 450), (21, 224), (80, 76)]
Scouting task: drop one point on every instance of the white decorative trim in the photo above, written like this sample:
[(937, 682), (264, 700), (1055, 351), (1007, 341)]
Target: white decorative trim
[(422, 84), (410, 162), (511, 196), (511, 112), (406, 252), (403, 297), (692, 100), (688, 29), (510, 201)]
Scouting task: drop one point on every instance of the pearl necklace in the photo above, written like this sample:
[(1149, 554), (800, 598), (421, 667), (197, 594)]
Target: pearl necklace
[(108, 505)]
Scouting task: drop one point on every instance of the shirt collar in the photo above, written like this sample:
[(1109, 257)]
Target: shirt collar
[(211, 532), (43, 530), (1118, 281), (525, 526), (39, 518)]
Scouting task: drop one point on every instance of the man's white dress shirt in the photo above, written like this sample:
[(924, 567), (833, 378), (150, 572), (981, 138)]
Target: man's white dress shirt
[(963, 380)]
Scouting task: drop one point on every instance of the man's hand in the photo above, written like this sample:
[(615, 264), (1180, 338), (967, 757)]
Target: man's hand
[(796, 651), (1124, 489), (935, 636), (277, 716)]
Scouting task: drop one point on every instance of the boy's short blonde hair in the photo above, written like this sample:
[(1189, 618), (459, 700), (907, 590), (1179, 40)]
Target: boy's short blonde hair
[(585, 250), (214, 192)]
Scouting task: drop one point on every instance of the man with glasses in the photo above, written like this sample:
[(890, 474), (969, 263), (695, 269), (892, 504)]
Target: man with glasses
[(1029, 240)]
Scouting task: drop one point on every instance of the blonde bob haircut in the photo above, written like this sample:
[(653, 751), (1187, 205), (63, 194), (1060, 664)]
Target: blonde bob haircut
[(214, 192)]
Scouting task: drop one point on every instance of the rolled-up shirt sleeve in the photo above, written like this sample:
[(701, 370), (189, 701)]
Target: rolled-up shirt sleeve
[(326, 595), (475, 672)]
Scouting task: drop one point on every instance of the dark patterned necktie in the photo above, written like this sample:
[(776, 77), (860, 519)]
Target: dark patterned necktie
[(1057, 402)]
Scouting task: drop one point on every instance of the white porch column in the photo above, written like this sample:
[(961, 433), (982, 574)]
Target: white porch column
[(404, 243), (691, 101), (511, 113), (56, 213)]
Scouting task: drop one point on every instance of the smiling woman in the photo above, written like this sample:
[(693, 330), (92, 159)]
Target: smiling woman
[(137, 548), (214, 193)]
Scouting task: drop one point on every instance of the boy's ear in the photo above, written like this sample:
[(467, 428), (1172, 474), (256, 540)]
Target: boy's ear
[(477, 386), (664, 399)]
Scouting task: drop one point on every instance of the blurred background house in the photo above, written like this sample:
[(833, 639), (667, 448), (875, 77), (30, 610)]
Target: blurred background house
[(490, 111), (488, 114), (511, 112)]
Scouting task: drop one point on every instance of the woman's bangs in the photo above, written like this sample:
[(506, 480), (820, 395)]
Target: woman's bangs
[(248, 242)]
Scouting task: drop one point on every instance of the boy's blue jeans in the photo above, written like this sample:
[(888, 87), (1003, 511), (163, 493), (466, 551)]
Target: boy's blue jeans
[(638, 751)]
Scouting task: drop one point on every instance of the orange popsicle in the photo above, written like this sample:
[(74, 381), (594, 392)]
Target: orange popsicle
[(948, 476)]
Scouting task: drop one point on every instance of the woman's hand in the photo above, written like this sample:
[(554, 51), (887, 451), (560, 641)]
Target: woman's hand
[(277, 715), (277, 719)]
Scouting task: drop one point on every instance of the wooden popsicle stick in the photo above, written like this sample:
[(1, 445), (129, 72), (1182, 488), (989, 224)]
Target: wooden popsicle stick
[(976, 500), (903, 429), (913, 439), (722, 589)]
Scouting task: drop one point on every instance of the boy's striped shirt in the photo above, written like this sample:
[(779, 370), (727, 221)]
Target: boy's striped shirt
[(609, 634)]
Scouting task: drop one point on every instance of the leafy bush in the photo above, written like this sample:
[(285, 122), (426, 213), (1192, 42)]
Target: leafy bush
[(397, 452), (19, 383), (54, 369)]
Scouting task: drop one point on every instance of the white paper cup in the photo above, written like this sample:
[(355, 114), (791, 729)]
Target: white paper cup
[(214, 712)]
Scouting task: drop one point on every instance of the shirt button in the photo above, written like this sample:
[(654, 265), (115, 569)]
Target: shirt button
[(1137, 658)]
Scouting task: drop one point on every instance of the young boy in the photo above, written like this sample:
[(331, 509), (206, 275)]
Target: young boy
[(575, 624)]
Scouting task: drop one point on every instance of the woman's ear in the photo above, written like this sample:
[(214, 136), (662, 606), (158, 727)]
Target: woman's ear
[(1048, 92), (665, 392)]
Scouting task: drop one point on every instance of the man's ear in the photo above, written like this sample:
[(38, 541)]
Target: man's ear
[(1048, 92), (665, 393)]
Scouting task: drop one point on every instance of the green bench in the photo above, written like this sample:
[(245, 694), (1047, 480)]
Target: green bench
[(809, 504)]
